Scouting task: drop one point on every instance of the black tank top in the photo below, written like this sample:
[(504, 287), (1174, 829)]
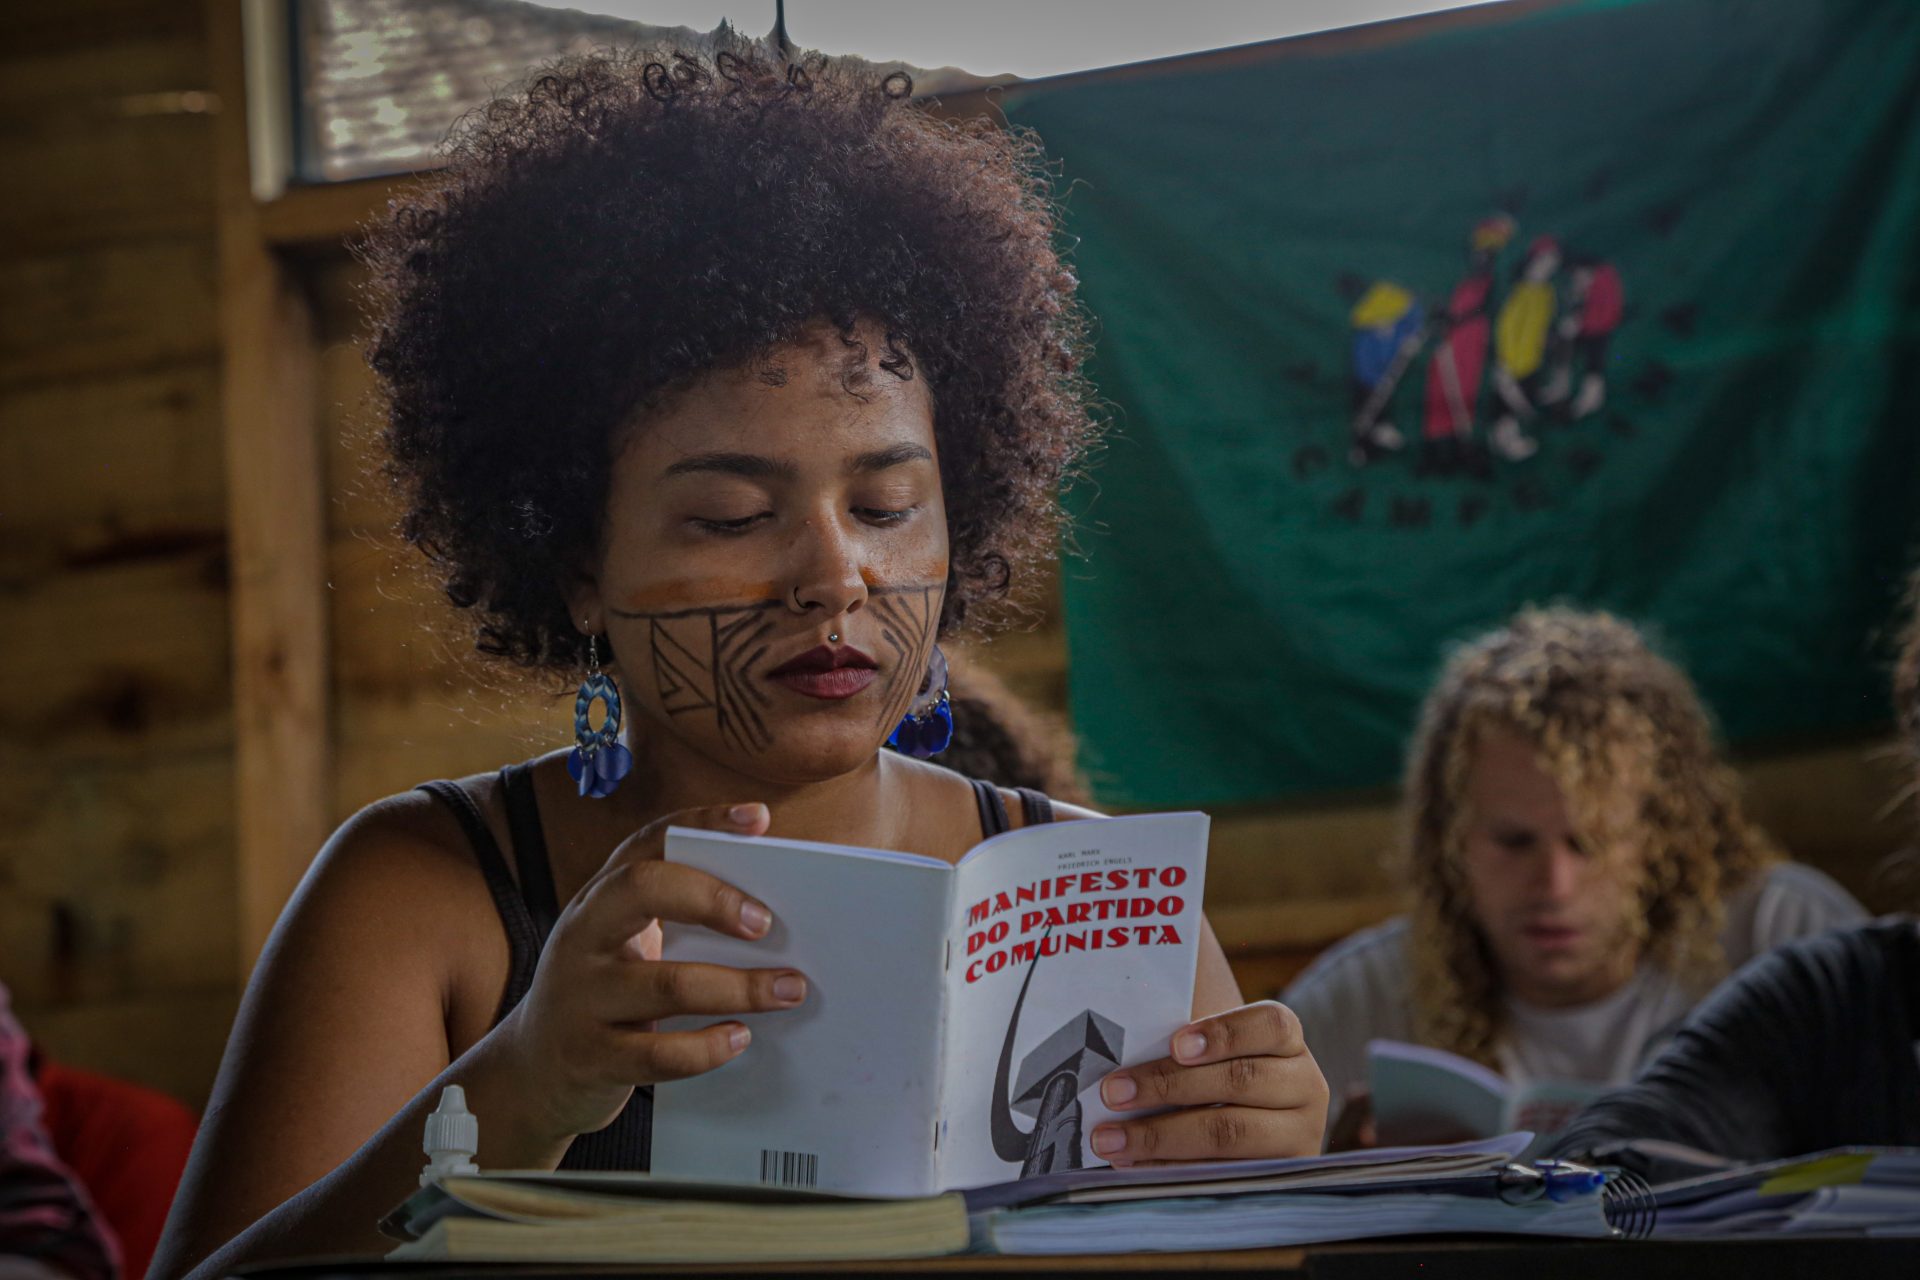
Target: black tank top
[(529, 907)]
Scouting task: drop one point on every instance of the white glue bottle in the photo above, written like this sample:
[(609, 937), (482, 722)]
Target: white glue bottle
[(452, 1138)]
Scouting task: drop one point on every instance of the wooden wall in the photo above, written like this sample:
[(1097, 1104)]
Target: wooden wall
[(134, 867), (116, 849), (407, 701)]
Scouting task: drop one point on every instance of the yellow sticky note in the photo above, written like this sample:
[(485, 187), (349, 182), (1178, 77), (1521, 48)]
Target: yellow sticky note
[(1829, 1171)]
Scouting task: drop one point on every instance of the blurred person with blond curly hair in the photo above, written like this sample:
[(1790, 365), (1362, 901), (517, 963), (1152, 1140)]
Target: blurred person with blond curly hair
[(1582, 872)]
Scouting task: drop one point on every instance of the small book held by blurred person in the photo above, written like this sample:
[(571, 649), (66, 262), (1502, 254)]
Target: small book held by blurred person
[(1423, 1095)]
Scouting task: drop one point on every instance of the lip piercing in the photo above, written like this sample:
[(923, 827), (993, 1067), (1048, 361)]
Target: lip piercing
[(833, 637)]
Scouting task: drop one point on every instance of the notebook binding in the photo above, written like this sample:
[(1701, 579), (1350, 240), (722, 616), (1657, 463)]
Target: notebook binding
[(1628, 1202)]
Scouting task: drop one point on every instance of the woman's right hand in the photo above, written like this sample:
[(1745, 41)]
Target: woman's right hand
[(584, 1036)]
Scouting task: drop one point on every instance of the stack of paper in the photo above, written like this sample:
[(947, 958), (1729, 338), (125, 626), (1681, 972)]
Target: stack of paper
[(1852, 1191), (1278, 1218), (1241, 1204)]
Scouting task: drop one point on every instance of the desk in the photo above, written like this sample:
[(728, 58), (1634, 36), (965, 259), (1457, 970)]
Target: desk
[(1784, 1258)]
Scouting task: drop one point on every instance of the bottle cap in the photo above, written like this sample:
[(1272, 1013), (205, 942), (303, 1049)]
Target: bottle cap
[(452, 1137)]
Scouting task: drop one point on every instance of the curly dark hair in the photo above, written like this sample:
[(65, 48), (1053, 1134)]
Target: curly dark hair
[(628, 221)]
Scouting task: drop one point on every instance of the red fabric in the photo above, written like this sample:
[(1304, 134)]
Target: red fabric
[(1453, 375), (1453, 380), (1606, 303), (126, 1144)]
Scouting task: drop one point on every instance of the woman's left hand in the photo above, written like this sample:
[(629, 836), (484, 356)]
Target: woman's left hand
[(1243, 1086)]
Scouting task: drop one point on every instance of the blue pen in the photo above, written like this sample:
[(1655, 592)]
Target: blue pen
[(1566, 1181)]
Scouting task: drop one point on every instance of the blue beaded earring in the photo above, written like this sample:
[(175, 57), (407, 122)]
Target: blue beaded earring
[(928, 726), (599, 760)]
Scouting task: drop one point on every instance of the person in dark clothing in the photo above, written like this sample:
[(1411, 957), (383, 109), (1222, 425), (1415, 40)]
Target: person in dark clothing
[(1813, 1046)]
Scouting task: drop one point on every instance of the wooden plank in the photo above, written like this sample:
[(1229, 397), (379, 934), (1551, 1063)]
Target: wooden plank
[(119, 660), (336, 280), (390, 626), (118, 878), (1298, 922), (106, 309), (89, 465), (324, 216), (1836, 806), (373, 768), (96, 79), (410, 702), (276, 523), (396, 642), (50, 26), (112, 177), (359, 499), (1325, 852), (171, 1041), (456, 702), (116, 135)]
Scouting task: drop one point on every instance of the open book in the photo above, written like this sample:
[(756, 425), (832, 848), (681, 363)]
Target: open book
[(1422, 1094), (959, 1017)]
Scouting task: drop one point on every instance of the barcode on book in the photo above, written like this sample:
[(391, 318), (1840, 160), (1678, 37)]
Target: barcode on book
[(789, 1168)]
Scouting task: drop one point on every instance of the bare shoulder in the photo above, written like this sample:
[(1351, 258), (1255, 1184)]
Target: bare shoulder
[(393, 914), (405, 843), (374, 978), (394, 889)]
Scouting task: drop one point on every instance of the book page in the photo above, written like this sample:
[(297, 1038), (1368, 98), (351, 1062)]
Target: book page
[(840, 1093), (1422, 1094), (1074, 948)]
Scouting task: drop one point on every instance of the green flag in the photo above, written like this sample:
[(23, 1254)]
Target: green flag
[(1614, 303)]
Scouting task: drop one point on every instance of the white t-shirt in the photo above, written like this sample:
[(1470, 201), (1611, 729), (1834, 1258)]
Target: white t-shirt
[(1358, 991)]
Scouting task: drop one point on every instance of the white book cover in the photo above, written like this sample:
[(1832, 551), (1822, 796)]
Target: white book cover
[(959, 1017)]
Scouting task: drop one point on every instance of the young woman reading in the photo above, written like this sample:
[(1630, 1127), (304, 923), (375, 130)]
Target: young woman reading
[(745, 384)]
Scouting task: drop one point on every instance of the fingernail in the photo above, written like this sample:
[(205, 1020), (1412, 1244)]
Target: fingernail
[(1189, 1045), (743, 815), (1118, 1090), (1108, 1140), (737, 1038), (790, 987), (755, 919)]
